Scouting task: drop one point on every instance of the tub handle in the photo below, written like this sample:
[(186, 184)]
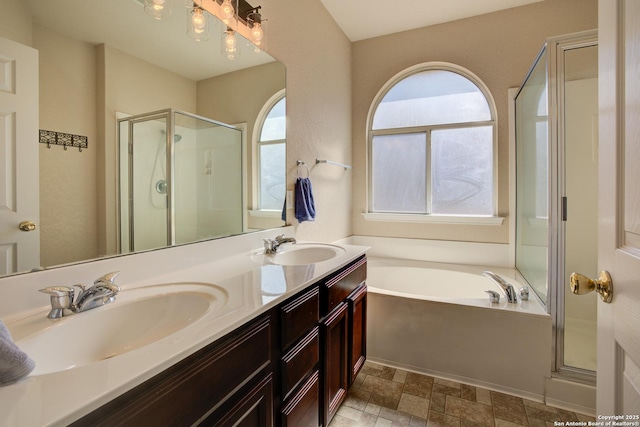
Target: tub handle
[(493, 296)]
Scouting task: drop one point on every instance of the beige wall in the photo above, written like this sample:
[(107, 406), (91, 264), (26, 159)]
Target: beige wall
[(128, 85), (68, 198), (15, 21), (317, 55), (499, 48)]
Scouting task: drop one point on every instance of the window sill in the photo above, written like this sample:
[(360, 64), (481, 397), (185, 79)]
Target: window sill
[(263, 213), (434, 219)]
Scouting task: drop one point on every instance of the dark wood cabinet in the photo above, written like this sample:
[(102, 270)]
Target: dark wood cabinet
[(253, 408), (300, 345), (298, 315), (358, 330), (303, 409), (343, 301), (290, 367), (204, 386), (336, 336)]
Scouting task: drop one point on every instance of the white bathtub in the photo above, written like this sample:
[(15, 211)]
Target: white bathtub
[(436, 319)]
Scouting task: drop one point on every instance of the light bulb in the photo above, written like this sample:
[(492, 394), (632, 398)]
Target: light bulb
[(256, 33), (230, 47), (157, 9), (197, 25), (230, 42), (198, 20), (226, 11)]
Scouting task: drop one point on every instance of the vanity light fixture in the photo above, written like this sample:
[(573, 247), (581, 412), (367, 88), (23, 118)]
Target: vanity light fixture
[(229, 44), (158, 9), (197, 24), (254, 20)]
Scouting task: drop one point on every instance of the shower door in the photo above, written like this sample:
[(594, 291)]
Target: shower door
[(578, 188), (145, 177), (556, 192), (180, 179)]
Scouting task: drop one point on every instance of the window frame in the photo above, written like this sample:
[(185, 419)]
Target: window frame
[(260, 121), (427, 216)]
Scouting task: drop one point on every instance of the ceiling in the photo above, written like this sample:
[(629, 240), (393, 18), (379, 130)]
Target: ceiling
[(122, 24), (364, 19)]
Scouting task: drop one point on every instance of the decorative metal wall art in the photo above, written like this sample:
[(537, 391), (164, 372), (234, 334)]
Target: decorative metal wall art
[(65, 139)]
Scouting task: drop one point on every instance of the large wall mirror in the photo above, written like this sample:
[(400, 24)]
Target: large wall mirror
[(98, 63)]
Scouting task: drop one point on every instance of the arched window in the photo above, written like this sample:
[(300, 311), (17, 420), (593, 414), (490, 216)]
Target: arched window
[(432, 133), (271, 154)]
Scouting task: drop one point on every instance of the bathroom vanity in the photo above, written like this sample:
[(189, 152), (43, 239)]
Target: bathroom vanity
[(291, 365), (280, 343)]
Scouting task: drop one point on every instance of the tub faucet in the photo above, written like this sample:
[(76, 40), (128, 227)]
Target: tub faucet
[(103, 291), (272, 245), (507, 288)]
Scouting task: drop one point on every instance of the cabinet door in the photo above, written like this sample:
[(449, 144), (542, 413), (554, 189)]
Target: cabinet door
[(303, 409), (358, 331), (335, 328), (196, 387), (253, 409)]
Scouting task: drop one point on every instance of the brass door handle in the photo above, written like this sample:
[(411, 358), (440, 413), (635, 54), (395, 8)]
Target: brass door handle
[(27, 226), (581, 284)]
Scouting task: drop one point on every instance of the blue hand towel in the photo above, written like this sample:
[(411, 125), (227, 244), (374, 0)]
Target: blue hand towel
[(305, 208), (14, 363), (283, 215)]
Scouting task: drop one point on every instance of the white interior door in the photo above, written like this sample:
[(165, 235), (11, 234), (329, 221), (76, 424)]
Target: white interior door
[(618, 377), (19, 250)]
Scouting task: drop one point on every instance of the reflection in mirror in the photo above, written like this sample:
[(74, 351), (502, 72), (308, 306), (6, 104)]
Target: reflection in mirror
[(180, 180), (271, 154), (93, 62)]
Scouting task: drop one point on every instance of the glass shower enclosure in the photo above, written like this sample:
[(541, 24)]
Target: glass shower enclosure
[(556, 112), (180, 180)]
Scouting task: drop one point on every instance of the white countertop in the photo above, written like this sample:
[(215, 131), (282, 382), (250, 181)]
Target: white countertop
[(62, 397)]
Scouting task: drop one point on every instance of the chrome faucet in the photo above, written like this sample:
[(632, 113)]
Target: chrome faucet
[(272, 245), (507, 288), (64, 298)]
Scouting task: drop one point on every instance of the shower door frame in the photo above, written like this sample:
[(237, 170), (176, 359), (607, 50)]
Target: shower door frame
[(556, 48), (167, 115), (170, 128)]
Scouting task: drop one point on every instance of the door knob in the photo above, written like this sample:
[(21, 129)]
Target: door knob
[(581, 284), (27, 226)]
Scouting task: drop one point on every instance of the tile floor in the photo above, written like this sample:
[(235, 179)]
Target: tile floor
[(383, 397)]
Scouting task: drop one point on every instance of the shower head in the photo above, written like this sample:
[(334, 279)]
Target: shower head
[(176, 137)]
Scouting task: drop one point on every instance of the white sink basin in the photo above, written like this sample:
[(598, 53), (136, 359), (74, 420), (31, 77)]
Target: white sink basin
[(300, 254), (137, 318)]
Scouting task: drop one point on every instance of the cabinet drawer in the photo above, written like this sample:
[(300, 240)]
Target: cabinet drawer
[(337, 288), (299, 361), (303, 409), (298, 316)]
